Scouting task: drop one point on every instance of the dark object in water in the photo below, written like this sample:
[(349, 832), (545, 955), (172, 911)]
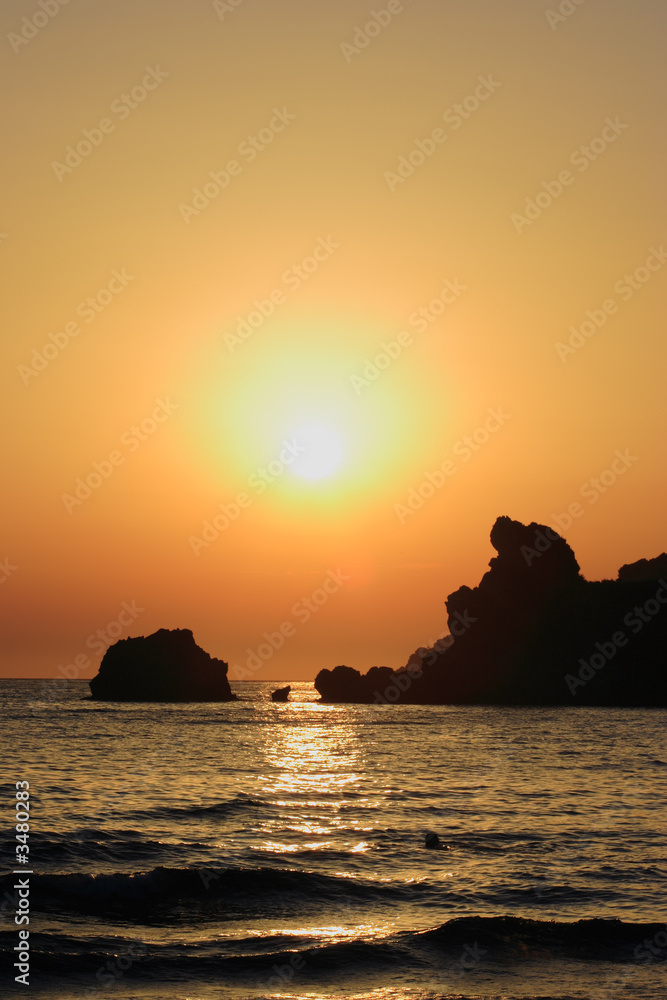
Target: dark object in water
[(280, 694), (433, 842)]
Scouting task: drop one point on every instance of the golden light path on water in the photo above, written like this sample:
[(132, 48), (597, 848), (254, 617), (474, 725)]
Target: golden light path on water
[(309, 761), (308, 764)]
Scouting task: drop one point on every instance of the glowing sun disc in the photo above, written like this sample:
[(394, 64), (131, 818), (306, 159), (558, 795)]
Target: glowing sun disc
[(321, 452)]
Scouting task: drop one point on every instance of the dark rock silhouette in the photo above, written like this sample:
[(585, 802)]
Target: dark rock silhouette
[(533, 631), (645, 569), (165, 666), (380, 685), (281, 694)]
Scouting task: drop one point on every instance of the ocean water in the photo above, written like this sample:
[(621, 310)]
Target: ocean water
[(251, 849)]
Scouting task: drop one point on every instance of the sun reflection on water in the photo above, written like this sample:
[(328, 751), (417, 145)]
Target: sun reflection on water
[(307, 757), (314, 766)]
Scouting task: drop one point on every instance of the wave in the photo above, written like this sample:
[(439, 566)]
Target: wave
[(174, 884), (242, 803), (493, 939), (79, 850), (271, 892), (226, 808), (590, 938)]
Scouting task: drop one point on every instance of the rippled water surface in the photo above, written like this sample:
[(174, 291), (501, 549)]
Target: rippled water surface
[(255, 849)]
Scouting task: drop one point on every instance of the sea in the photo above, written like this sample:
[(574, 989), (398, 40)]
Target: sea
[(254, 849)]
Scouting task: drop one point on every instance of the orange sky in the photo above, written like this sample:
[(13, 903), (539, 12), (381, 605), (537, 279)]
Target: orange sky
[(216, 216)]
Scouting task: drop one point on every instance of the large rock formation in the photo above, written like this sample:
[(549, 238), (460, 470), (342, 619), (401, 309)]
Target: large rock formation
[(344, 684), (645, 569), (165, 666), (534, 632)]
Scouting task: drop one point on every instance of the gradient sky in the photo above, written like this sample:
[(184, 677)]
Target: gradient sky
[(347, 163)]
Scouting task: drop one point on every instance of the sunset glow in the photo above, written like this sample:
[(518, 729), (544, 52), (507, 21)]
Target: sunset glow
[(333, 568), (373, 248), (320, 451)]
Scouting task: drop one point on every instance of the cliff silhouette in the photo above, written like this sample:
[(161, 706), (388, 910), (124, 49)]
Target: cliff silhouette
[(533, 632), (165, 666), (645, 569)]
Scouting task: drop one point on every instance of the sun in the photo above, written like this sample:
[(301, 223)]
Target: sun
[(321, 451)]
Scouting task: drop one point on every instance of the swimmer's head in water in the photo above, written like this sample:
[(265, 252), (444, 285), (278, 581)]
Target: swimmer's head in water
[(432, 840)]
